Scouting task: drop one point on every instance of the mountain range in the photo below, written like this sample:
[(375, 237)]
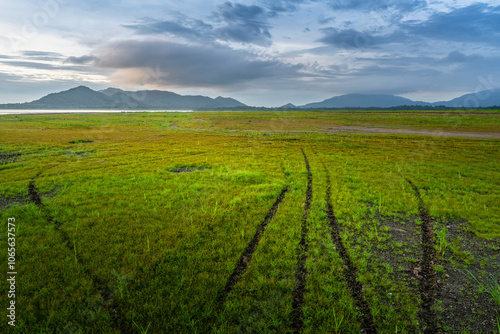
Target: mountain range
[(113, 98), (483, 99)]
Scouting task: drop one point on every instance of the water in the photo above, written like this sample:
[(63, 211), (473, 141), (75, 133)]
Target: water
[(77, 111)]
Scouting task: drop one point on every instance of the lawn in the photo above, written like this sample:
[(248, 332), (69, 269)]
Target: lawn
[(143, 222)]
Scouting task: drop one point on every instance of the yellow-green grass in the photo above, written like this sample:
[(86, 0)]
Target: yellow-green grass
[(480, 121), (165, 243)]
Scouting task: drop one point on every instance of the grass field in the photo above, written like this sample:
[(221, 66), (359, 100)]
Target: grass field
[(258, 222)]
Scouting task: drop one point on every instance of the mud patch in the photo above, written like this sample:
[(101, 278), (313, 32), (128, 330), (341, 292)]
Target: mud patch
[(349, 268), (246, 257), (301, 271), (7, 202), (9, 157), (187, 168), (401, 252), (81, 141), (84, 154), (428, 281), (464, 307)]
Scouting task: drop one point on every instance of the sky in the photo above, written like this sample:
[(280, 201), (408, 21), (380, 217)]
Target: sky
[(261, 52)]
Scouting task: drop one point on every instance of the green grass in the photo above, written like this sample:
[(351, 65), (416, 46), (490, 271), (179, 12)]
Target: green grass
[(161, 215)]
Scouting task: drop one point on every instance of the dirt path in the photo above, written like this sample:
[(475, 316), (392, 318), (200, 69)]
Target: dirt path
[(118, 319), (417, 132), (349, 268), (246, 257), (301, 271), (428, 281)]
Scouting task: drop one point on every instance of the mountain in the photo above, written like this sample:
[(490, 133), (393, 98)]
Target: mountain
[(75, 98), (168, 100), (363, 101), (487, 98), (113, 98)]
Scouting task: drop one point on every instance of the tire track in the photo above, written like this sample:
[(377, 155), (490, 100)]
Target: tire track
[(428, 281), (246, 257), (118, 319), (349, 269), (301, 271)]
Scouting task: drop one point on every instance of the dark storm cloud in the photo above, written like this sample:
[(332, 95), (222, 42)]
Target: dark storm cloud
[(476, 23), (190, 65), (83, 60)]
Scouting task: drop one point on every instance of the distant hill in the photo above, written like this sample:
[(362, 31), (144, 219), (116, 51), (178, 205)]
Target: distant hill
[(364, 101), (288, 106), (484, 99), (113, 98)]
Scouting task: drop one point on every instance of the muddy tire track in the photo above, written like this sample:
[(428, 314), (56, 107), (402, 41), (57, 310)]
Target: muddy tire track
[(349, 269), (428, 280), (301, 271), (118, 319), (246, 257)]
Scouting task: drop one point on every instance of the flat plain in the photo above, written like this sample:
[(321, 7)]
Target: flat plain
[(253, 222)]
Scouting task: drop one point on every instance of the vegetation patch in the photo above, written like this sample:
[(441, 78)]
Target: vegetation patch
[(109, 302), (350, 270), (246, 257), (301, 271)]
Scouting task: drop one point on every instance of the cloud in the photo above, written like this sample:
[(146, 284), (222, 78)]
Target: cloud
[(247, 24), (347, 38), (191, 29), (40, 66), (42, 55), (459, 57), (278, 6), (362, 5), (87, 59), (242, 23), (477, 23), (173, 64)]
